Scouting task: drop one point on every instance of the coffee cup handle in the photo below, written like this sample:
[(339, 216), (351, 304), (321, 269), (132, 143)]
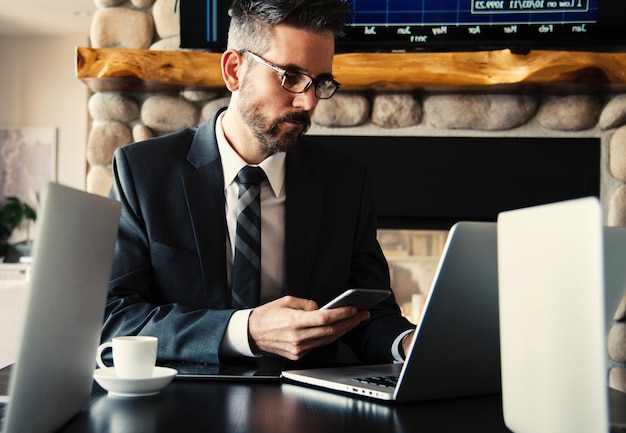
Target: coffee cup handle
[(101, 349)]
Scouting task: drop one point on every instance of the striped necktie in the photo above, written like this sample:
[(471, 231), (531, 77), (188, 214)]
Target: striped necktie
[(246, 277)]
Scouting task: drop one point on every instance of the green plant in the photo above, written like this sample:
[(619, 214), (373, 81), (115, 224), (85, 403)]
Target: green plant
[(12, 215)]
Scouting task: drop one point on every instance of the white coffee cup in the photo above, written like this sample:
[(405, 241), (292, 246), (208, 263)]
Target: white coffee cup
[(134, 357)]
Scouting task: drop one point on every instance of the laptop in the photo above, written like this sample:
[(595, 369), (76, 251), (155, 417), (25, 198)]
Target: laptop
[(456, 349), (52, 378), (561, 278)]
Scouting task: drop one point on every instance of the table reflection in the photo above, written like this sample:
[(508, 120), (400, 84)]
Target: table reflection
[(274, 407), (139, 415)]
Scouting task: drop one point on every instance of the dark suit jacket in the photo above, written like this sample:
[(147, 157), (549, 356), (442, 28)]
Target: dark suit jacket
[(169, 272)]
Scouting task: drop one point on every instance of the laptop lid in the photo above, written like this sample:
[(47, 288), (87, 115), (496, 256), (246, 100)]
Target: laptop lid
[(455, 351), (52, 378), (553, 318)]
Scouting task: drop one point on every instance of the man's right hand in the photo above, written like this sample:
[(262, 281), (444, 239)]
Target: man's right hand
[(291, 327)]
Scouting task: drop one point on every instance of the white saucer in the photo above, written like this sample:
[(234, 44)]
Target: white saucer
[(118, 387)]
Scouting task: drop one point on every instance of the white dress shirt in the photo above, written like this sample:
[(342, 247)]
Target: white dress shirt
[(235, 342)]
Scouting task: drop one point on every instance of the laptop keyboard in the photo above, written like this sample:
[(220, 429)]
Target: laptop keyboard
[(382, 381)]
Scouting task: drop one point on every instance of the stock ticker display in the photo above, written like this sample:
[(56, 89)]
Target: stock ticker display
[(431, 21)]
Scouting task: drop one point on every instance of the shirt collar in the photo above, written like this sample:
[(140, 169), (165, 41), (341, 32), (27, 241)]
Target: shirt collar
[(232, 163)]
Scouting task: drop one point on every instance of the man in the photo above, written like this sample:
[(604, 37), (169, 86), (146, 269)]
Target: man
[(174, 269)]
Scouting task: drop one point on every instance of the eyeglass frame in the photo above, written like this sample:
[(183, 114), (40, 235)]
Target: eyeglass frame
[(285, 73)]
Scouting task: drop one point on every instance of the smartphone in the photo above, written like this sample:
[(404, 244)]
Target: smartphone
[(360, 298)]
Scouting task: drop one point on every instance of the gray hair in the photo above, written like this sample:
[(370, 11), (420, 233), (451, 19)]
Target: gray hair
[(252, 20)]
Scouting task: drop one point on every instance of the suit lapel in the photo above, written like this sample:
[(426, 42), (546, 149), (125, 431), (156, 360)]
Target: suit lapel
[(204, 190), (204, 193), (303, 216)]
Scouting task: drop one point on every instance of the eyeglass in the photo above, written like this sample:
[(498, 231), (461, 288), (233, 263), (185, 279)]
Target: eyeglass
[(299, 82)]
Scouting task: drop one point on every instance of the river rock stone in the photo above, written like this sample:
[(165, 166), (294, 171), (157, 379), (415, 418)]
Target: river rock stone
[(141, 132), (343, 109), (166, 15), (617, 153), (487, 112), (211, 107), (104, 139), (99, 180), (112, 106), (617, 378), (614, 113), (570, 113), (198, 95), (616, 339), (164, 113), (396, 110), (616, 215), (121, 28)]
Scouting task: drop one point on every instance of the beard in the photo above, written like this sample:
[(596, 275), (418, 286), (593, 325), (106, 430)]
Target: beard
[(277, 135)]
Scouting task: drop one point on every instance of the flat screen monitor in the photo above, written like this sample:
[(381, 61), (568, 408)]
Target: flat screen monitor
[(445, 25)]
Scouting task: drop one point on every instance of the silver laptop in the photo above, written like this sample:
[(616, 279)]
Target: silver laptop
[(52, 378), (456, 350), (561, 277)]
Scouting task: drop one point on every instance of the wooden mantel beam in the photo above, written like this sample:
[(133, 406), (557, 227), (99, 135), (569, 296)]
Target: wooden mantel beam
[(148, 70)]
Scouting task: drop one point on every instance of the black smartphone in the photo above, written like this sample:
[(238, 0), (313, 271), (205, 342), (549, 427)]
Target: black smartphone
[(360, 298)]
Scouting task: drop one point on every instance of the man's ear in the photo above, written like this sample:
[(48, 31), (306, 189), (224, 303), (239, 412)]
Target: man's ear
[(231, 69)]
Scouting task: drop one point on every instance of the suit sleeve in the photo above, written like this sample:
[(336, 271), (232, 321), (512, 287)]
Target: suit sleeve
[(333, 246), (372, 341), (142, 302)]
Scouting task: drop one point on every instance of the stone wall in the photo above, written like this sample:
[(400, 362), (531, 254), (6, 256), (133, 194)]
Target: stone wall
[(121, 118)]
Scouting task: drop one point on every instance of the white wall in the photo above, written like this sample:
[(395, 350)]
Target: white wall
[(12, 301), (38, 87)]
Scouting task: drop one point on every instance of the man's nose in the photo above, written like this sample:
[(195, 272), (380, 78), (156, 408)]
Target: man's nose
[(306, 100)]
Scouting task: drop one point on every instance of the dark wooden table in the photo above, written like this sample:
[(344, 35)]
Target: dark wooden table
[(217, 406)]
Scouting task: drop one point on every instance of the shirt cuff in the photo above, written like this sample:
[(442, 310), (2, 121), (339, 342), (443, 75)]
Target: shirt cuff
[(395, 347), (235, 341)]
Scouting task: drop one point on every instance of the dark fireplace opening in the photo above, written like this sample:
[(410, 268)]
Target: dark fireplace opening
[(423, 185), (433, 182)]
